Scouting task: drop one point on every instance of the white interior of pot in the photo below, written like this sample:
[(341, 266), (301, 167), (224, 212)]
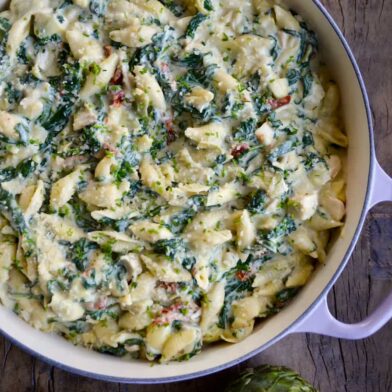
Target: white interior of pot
[(57, 349)]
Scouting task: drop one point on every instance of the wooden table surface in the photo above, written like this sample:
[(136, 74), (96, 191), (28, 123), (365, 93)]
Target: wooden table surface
[(332, 365)]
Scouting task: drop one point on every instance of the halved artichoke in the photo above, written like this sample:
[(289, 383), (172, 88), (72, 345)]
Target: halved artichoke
[(268, 378)]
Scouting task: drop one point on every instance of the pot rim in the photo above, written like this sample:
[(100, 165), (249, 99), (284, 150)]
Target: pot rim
[(286, 331)]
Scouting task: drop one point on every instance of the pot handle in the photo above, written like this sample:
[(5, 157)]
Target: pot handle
[(320, 320), (381, 187)]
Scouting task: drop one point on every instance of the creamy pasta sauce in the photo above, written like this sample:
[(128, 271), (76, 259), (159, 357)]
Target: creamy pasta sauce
[(170, 170)]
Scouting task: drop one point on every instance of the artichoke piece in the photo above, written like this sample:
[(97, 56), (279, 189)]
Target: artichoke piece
[(268, 378)]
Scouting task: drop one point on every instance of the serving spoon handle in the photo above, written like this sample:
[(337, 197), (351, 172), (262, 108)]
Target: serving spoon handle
[(320, 320)]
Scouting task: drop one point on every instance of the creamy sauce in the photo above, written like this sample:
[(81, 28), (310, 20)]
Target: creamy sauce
[(170, 171)]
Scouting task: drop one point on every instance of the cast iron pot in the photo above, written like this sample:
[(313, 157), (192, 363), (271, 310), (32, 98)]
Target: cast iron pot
[(367, 185)]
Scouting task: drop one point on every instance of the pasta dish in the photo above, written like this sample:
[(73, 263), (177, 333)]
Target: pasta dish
[(170, 171)]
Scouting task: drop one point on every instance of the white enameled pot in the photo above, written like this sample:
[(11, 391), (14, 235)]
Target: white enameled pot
[(367, 184)]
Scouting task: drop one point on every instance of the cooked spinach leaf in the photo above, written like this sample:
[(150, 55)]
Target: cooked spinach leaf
[(238, 284), (9, 204), (169, 248), (68, 89), (246, 130), (307, 81), (83, 216), (79, 253), (14, 95), (120, 350), (150, 53), (179, 221), (5, 24), (273, 239), (282, 149), (25, 168), (311, 160), (23, 131), (103, 314), (286, 294), (293, 76), (257, 202), (177, 9), (98, 7), (307, 139), (193, 25)]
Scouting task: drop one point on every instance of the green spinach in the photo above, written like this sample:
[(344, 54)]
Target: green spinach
[(238, 284), (169, 248), (80, 251), (282, 149), (257, 202), (98, 7), (9, 204), (193, 25), (246, 130)]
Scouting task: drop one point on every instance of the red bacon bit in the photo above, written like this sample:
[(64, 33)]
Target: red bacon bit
[(277, 103), (242, 275), (171, 135), (109, 147), (168, 314), (117, 77), (101, 303), (118, 98), (107, 50), (165, 67), (238, 150), (172, 308), (169, 124), (168, 286)]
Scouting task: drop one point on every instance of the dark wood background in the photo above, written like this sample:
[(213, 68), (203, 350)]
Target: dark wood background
[(332, 365)]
